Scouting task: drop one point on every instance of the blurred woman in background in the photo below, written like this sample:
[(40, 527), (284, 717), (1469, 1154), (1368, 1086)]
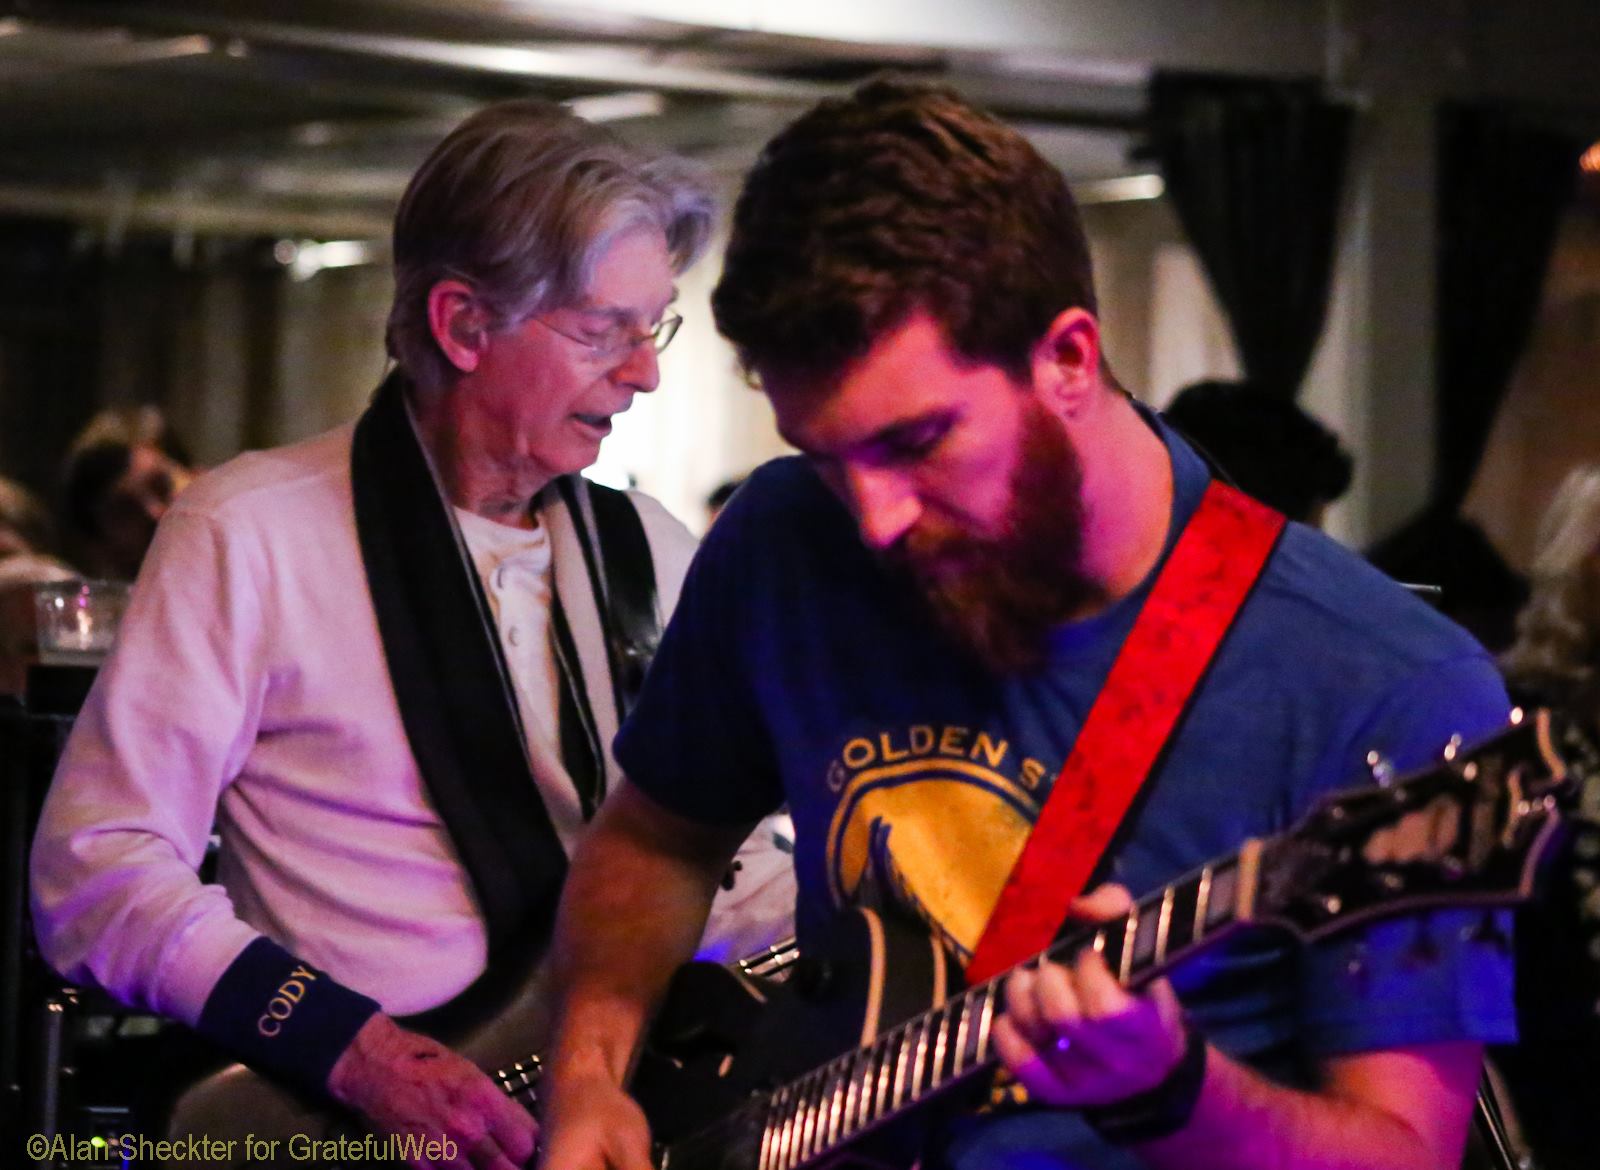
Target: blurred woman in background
[(1554, 1073)]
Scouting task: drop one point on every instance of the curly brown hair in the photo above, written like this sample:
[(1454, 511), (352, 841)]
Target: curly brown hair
[(900, 197)]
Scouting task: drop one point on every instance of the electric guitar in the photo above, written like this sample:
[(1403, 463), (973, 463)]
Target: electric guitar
[(837, 1063)]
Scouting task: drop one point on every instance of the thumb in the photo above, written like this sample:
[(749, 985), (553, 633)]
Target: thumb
[(1102, 903)]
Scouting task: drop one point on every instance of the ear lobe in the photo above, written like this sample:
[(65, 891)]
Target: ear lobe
[(458, 323), (1066, 361)]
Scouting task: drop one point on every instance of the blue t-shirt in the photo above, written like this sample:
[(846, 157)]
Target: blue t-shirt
[(795, 669)]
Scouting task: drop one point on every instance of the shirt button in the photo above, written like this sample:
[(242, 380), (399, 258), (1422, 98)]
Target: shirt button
[(500, 577), (514, 635)]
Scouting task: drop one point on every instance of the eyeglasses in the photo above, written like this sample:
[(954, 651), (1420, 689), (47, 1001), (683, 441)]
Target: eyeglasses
[(618, 341)]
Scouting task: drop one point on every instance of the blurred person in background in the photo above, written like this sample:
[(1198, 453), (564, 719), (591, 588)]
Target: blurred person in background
[(120, 476), (24, 521), (1554, 1072), (1269, 447), (717, 499)]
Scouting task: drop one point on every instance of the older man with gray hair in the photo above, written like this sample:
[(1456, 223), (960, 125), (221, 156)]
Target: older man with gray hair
[(388, 662)]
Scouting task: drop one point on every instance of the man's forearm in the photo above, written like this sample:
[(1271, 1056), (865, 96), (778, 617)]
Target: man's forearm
[(632, 911), (1245, 1122)]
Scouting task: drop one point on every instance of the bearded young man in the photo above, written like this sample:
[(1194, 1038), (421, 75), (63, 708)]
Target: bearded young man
[(901, 635)]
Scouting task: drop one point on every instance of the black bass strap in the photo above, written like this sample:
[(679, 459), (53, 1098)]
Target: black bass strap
[(625, 583), (622, 578)]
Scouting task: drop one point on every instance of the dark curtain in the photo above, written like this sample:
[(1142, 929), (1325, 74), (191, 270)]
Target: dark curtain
[(1255, 170), (1502, 189), (1502, 186)]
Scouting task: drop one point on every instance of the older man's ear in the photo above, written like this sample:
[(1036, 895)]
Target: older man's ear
[(459, 324)]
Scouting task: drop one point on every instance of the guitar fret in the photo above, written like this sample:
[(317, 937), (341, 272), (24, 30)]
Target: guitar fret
[(919, 1080), (819, 1132), (764, 1160), (828, 1109), (950, 1068), (1131, 926), (986, 1021), (860, 1059), (1164, 924), (885, 1077), (772, 1135), (852, 1095), (963, 1007), (812, 1098), (847, 1099), (871, 1078), (847, 1116), (835, 1105), (791, 1128), (972, 1051), (902, 1059), (941, 1041)]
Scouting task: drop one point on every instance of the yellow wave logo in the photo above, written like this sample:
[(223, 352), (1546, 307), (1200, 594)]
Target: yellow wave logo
[(937, 834)]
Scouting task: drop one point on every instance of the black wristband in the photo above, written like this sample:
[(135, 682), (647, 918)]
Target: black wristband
[(283, 1017), (1158, 1112)]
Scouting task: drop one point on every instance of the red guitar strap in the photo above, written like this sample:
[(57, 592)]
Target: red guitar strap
[(1212, 569)]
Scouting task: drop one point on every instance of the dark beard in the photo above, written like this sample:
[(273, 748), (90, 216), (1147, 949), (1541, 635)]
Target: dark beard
[(1000, 596)]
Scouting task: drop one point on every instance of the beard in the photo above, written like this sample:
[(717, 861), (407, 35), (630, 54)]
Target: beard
[(999, 596)]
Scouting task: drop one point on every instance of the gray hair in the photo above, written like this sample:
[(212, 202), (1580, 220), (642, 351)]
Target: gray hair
[(1558, 631), (519, 202)]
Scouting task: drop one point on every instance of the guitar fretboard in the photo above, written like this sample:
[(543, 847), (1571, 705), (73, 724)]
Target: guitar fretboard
[(832, 1105), (520, 1081)]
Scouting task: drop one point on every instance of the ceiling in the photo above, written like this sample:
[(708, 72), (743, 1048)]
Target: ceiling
[(304, 118)]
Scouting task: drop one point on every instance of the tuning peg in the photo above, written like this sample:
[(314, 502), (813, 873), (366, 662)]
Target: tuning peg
[(1486, 932), (1380, 768), (1452, 749)]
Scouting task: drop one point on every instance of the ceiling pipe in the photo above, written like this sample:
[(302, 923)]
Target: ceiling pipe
[(208, 215), (552, 62)]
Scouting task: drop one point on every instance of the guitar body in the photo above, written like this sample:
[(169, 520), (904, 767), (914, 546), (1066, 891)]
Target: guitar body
[(721, 1040)]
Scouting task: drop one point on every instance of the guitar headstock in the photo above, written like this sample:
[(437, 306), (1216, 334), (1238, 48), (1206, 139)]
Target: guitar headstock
[(1470, 830)]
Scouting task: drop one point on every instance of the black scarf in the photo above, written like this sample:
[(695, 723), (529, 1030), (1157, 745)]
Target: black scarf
[(451, 680)]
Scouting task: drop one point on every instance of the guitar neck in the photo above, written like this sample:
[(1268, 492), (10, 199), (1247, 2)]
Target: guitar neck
[(834, 1104), (520, 1081)]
